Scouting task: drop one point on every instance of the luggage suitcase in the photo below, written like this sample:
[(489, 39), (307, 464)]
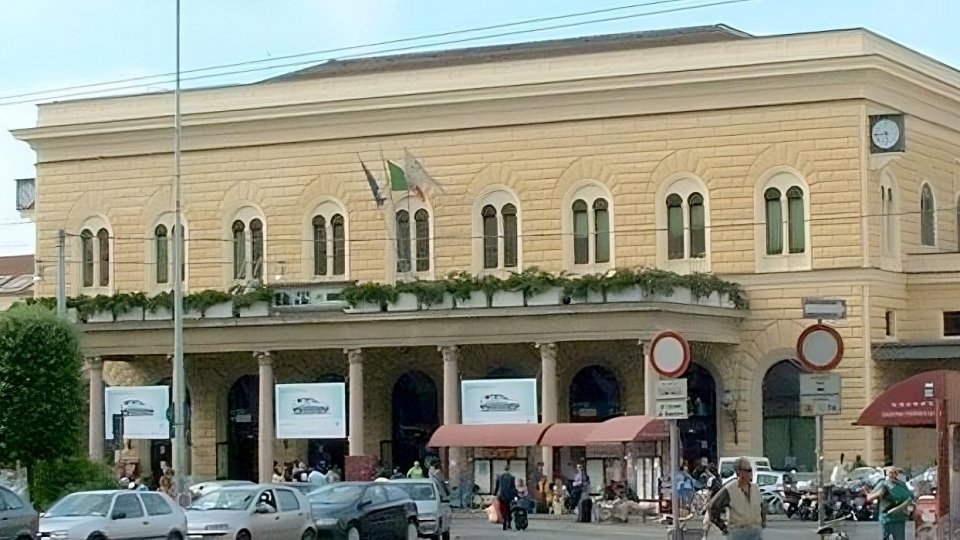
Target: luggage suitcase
[(585, 511)]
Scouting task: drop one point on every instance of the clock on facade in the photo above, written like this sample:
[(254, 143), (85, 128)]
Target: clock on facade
[(26, 193), (886, 133)]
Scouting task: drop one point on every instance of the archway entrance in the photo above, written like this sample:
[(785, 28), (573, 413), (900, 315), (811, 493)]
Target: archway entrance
[(788, 438), (415, 417), (243, 424), (326, 453), (594, 395), (698, 433), (161, 450)]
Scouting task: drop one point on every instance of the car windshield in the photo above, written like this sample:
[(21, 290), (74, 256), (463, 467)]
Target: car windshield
[(81, 504), (418, 491), (225, 499), (335, 494)]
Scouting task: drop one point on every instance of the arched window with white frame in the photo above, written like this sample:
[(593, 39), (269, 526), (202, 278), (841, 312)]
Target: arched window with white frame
[(682, 218), (928, 216), (586, 224), (497, 231), (326, 234), (414, 228), (247, 234), (160, 252), (783, 223), (96, 256)]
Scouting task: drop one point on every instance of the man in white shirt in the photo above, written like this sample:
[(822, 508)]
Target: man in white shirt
[(316, 479), (747, 515)]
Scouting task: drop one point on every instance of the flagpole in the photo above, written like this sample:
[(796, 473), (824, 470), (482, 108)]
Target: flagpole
[(390, 220)]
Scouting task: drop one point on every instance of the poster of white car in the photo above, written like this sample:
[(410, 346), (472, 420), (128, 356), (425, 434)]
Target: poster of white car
[(498, 402), (135, 407), (309, 405)]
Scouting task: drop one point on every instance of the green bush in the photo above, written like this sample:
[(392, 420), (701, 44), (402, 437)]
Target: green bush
[(51, 480)]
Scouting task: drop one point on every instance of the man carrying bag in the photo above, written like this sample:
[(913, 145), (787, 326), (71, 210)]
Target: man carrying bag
[(894, 496)]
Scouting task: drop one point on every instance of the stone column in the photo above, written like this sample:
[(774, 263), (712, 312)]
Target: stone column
[(548, 408), (96, 433), (267, 433), (451, 410), (355, 420)]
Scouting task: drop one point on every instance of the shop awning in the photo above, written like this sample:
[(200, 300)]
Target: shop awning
[(487, 435), (567, 434), (904, 404), (625, 429)]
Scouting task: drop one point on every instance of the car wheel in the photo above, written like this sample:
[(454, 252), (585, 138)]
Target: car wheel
[(297, 411), (353, 534), (174, 535), (445, 535), (412, 532), (308, 534), (97, 536), (243, 535)]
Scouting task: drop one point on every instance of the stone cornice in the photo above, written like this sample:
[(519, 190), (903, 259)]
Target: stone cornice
[(835, 66)]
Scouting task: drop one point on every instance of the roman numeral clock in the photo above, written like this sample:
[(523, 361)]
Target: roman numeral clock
[(886, 133)]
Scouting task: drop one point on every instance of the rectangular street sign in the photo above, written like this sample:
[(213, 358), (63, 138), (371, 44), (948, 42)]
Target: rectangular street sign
[(672, 409), (819, 394), (833, 309), (671, 389)]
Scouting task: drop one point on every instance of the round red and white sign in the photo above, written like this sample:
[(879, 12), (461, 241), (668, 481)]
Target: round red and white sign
[(820, 348), (669, 354)]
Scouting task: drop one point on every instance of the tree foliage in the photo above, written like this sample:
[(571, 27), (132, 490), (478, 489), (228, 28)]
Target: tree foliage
[(40, 387), (51, 480)]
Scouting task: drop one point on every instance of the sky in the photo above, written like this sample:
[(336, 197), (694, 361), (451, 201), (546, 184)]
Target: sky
[(49, 45)]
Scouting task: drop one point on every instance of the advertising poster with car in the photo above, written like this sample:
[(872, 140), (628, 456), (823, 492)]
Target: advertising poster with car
[(311, 411), (141, 409), (499, 401)]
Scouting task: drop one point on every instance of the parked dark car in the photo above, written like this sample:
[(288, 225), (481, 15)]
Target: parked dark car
[(355, 510), (18, 519)]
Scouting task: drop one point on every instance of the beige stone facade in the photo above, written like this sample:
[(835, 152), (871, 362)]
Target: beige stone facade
[(728, 118)]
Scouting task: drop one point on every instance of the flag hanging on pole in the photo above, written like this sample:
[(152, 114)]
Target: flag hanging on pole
[(374, 185), (417, 178), (398, 178)]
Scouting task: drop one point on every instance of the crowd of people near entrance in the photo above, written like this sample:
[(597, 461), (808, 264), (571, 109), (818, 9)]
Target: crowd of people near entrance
[(319, 474)]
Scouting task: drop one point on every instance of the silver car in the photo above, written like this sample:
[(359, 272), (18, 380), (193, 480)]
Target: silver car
[(18, 519), (98, 515), (308, 405), (251, 512), (135, 407), (434, 515), (498, 402)]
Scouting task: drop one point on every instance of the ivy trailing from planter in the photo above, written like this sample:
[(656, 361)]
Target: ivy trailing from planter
[(243, 298), (531, 282), (163, 300), (461, 285), (204, 300), (428, 293), (357, 294)]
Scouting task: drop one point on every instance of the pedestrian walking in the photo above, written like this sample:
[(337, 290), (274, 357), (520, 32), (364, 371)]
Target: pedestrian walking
[(892, 494), (747, 517), (506, 491)]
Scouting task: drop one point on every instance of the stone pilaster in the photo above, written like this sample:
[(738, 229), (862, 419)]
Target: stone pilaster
[(548, 390), (96, 432), (267, 432), (355, 411)]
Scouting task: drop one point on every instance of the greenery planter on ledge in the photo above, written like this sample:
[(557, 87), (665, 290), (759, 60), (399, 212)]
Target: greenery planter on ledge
[(476, 299)]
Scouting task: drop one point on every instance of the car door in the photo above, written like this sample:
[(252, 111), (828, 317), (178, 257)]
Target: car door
[(376, 517), (398, 511), (8, 527), (265, 525), (127, 518), (292, 513), (160, 515)]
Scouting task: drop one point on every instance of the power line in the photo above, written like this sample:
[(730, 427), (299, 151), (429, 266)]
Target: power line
[(391, 50)]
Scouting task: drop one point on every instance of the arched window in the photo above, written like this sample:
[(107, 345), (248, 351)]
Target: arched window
[(774, 221), (698, 226), (601, 231), (256, 248), (403, 241), (796, 220), (581, 233), (162, 254), (788, 437), (339, 245), (239, 250), (103, 244), (491, 256), (422, 219), (319, 246), (87, 258), (928, 217), (674, 227), (509, 212)]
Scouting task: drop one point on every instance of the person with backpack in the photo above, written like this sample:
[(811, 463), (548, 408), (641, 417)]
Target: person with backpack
[(506, 491), (892, 494)]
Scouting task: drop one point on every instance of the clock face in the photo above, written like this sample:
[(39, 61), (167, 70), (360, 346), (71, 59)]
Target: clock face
[(885, 134)]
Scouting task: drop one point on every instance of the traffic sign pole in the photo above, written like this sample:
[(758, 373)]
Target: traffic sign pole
[(675, 464)]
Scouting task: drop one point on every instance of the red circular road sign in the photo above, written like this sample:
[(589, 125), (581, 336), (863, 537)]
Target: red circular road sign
[(669, 354), (820, 347)]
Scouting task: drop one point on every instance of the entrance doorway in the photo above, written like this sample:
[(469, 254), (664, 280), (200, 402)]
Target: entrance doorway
[(594, 395), (325, 453), (698, 433), (789, 440), (415, 417), (243, 424), (161, 450)]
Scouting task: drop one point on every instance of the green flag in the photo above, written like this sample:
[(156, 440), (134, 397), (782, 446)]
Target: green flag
[(398, 179)]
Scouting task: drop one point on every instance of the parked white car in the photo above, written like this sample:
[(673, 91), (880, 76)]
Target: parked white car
[(252, 512), (434, 515), (99, 515)]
